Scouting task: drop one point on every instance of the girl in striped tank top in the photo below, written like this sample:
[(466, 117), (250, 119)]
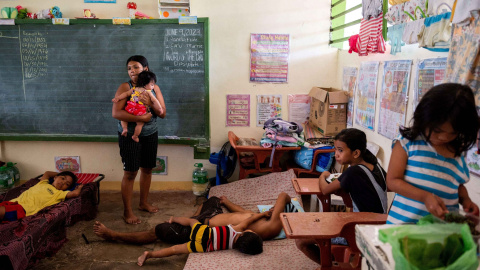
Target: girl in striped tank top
[(427, 168)]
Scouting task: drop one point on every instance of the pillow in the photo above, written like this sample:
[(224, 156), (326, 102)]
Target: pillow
[(292, 207)]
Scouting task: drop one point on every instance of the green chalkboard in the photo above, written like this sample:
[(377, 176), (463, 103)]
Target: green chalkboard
[(57, 81)]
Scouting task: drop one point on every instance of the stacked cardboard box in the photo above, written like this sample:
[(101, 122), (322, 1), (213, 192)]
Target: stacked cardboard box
[(328, 110)]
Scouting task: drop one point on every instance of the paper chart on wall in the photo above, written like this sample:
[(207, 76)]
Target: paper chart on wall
[(473, 160), (68, 163), (298, 108), (430, 72), (393, 99), (238, 111), (269, 58), (268, 106), (365, 96), (349, 82)]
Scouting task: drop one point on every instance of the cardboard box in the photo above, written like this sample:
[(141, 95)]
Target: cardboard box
[(328, 110)]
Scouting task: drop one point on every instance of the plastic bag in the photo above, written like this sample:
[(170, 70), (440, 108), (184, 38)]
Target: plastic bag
[(432, 233)]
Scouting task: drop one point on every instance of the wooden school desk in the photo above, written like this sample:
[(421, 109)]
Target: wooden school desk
[(311, 186), (323, 226), (261, 154)]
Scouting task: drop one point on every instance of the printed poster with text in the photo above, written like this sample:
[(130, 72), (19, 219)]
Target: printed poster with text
[(365, 95), (298, 108), (348, 84), (269, 58), (268, 106), (473, 160), (238, 111), (430, 72), (393, 104)]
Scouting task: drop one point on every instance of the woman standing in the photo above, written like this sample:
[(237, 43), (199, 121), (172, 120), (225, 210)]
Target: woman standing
[(138, 155)]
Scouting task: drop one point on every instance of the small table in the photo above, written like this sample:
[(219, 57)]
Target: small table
[(311, 186), (323, 226)]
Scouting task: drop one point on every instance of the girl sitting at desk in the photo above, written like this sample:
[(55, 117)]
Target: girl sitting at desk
[(364, 181)]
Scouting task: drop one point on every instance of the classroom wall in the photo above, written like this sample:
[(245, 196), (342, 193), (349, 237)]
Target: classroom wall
[(408, 52), (312, 63)]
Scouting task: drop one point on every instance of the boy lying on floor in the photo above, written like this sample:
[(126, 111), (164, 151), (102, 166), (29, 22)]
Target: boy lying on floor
[(204, 238), (209, 213), (41, 195)]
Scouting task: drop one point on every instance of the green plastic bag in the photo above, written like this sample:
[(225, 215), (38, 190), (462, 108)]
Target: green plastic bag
[(432, 233)]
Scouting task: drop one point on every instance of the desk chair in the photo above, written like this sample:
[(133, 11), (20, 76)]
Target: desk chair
[(260, 154), (327, 225), (312, 170)]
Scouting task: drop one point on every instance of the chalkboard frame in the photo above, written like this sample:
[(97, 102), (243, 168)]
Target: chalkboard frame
[(201, 144)]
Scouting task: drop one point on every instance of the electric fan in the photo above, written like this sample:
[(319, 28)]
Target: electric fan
[(226, 160)]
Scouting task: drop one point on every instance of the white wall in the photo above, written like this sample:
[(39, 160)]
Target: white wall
[(408, 52), (311, 63)]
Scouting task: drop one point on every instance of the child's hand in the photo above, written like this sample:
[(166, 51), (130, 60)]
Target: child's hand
[(223, 199), (470, 207), (170, 220), (268, 214), (79, 187), (325, 174), (435, 205), (115, 99)]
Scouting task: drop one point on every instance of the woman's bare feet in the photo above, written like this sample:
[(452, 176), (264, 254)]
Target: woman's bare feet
[(141, 260), (102, 231), (148, 208), (130, 218)]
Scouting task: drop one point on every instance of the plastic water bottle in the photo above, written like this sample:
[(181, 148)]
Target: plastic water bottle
[(14, 171), (6, 179), (200, 180)]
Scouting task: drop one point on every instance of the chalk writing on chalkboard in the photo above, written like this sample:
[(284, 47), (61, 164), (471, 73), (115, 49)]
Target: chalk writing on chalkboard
[(57, 82)]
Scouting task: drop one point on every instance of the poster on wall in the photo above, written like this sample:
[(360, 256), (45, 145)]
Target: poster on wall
[(268, 106), (68, 163), (349, 81), (365, 95), (393, 99), (238, 111), (161, 166), (298, 108), (430, 72), (269, 58), (473, 160)]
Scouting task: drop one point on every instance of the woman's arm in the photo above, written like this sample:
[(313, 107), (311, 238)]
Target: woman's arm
[(159, 108), (156, 106), (397, 184), (118, 108)]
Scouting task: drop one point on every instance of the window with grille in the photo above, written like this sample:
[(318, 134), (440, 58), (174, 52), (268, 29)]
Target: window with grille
[(345, 21)]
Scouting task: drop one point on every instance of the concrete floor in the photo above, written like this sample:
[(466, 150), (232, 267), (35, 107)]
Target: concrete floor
[(76, 254)]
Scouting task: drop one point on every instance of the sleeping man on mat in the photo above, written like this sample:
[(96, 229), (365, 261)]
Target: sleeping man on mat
[(209, 213)]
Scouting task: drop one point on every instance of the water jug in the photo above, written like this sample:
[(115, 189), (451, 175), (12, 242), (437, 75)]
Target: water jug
[(14, 171), (6, 179), (200, 180)]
